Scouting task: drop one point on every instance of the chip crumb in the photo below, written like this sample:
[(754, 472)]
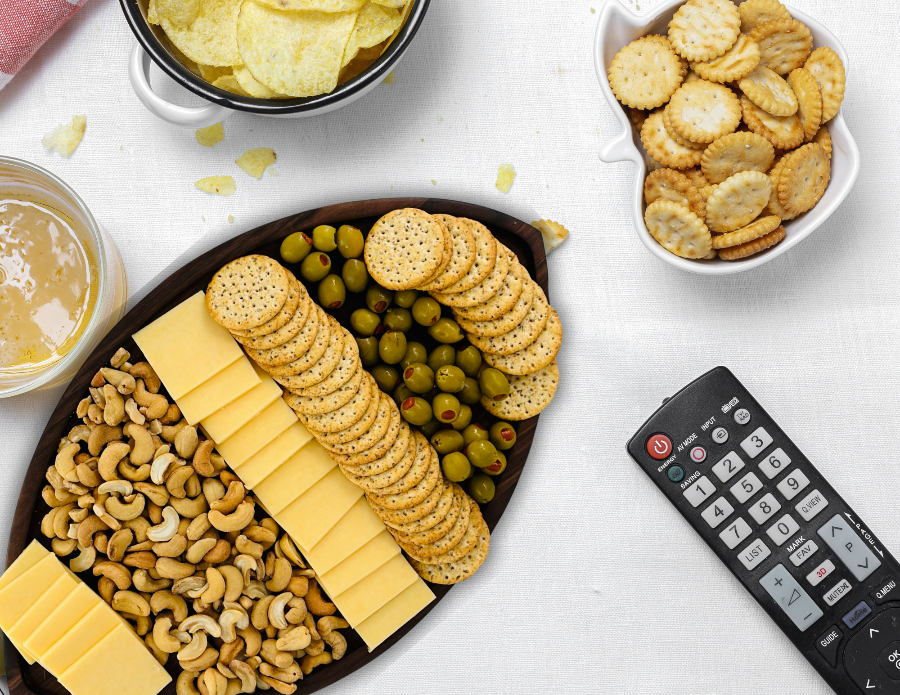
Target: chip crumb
[(506, 174), (210, 135), (220, 185), (390, 78), (65, 138), (434, 182), (592, 10), (255, 161), (231, 218), (553, 233), (273, 171)]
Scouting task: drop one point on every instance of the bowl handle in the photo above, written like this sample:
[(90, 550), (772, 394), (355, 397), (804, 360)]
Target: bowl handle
[(199, 117)]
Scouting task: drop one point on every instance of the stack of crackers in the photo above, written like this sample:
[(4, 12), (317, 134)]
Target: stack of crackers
[(317, 362), (731, 108), (504, 313)]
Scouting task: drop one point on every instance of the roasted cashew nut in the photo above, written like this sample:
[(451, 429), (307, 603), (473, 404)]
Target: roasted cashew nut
[(166, 600), (196, 623), (270, 653), (328, 623), (232, 498), (294, 640), (172, 569), (125, 512), (314, 601), (108, 464), (171, 548), (143, 370), (276, 610), (123, 381), (188, 584), (115, 572), (195, 648), (245, 673), (235, 521), (160, 467), (143, 444), (167, 529), (308, 663), (130, 602), (84, 559), (338, 644), (102, 435), (215, 589), (230, 620), (196, 552), (114, 410)]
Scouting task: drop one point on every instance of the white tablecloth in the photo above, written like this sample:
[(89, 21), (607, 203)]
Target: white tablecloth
[(594, 583)]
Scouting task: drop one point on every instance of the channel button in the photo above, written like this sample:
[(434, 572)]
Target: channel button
[(850, 548)]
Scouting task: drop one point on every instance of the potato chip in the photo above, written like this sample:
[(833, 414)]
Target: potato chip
[(390, 78), (182, 13), (374, 24), (396, 4), (152, 15), (316, 5), (220, 185), (255, 161), (230, 84), (505, 177), (293, 53), (182, 58), (210, 135), (211, 39), (251, 85), (406, 11), (211, 73), (65, 138)]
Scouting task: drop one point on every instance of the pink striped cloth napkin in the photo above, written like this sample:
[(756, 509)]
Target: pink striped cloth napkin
[(24, 27)]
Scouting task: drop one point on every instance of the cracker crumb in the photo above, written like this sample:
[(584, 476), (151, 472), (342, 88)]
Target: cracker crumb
[(506, 174), (65, 138), (553, 233), (210, 135)]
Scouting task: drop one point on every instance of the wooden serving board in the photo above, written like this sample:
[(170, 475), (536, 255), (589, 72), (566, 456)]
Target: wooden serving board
[(524, 240)]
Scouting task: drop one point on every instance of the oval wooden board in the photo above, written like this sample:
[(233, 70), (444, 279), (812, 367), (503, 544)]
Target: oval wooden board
[(524, 240)]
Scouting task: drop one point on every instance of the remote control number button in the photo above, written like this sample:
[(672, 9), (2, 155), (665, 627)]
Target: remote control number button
[(756, 442), (803, 553), (754, 554), (783, 529), (811, 505), (764, 509), (728, 467), (659, 446), (850, 548), (742, 416), (699, 491), (817, 576), (736, 533), (717, 512), (793, 485), (828, 642), (837, 592), (720, 435), (746, 487), (791, 597), (774, 463)]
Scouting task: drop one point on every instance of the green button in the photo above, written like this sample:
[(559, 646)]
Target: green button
[(676, 474)]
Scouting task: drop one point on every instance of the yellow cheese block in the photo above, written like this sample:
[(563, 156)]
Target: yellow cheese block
[(365, 597), (72, 609), (222, 424), (394, 614), (21, 593), (258, 467), (34, 552), (225, 387), (308, 518), (253, 436), (40, 609), (93, 627), (119, 664), (294, 477), (356, 528), (360, 564), (186, 347)]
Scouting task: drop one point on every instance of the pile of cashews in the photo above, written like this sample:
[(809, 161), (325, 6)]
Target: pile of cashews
[(139, 498)]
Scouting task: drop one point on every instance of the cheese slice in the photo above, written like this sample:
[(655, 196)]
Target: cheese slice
[(262, 464), (93, 627), (294, 477), (119, 664), (395, 614), (356, 528), (220, 425), (34, 552), (258, 432), (21, 593), (308, 518), (186, 347), (225, 387), (39, 611), (360, 564), (365, 597), (72, 609)]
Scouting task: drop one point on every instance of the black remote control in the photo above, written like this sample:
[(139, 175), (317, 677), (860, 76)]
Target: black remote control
[(782, 530)]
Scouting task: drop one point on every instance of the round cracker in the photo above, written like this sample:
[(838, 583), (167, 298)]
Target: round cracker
[(476, 525), (735, 153), (448, 251), (804, 178), (417, 493), (522, 335), (404, 249), (828, 69), (504, 324), (735, 253), (347, 414), (696, 177), (809, 99), (484, 290), (663, 148), (823, 138), (379, 447), (774, 207), (294, 348), (754, 230), (376, 431), (388, 469), (501, 303), (297, 367), (528, 395), (738, 201), (450, 539), (462, 254), (350, 433), (704, 29), (460, 569), (316, 405), (416, 471), (737, 62), (440, 530), (326, 363), (446, 501), (702, 111), (345, 370), (534, 357), (785, 133), (285, 333), (784, 44), (296, 293), (417, 511), (676, 136), (485, 257), (769, 91), (755, 12), (677, 229), (669, 184), (645, 73), (247, 292)]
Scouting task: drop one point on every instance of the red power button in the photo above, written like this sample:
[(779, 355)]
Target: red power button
[(659, 446)]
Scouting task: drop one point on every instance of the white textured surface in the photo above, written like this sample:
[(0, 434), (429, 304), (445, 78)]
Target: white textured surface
[(593, 583)]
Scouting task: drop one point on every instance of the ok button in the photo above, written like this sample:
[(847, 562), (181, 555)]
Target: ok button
[(889, 660)]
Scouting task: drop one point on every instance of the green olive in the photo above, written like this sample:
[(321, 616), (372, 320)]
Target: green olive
[(323, 238), (456, 467), (482, 489), (416, 411), (430, 428), (503, 435), (475, 433), (463, 419), (295, 247), (350, 241), (365, 322), (426, 311), (401, 393), (332, 292), (415, 352), (471, 392), (378, 299), (446, 331), (406, 298), (469, 360), (447, 441), (398, 319), (355, 275), (498, 466), (368, 351), (418, 378), (386, 377), (450, 379), (481, 453), (315, 266), (392, 347), (494, 384), (446, 407), (441, 356)]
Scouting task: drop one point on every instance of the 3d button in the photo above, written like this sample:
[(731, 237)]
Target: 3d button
[(889, 660), (698, 454), (828, 642), (720, 435), (659, 446), (742, 416)]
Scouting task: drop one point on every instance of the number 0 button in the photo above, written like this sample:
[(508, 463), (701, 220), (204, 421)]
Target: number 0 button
[(756, 442)]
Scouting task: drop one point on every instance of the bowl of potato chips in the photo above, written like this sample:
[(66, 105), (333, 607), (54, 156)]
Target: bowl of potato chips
[(282, 58)]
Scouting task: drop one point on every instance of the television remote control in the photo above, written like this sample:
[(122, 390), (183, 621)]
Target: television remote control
[(807, 558)]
